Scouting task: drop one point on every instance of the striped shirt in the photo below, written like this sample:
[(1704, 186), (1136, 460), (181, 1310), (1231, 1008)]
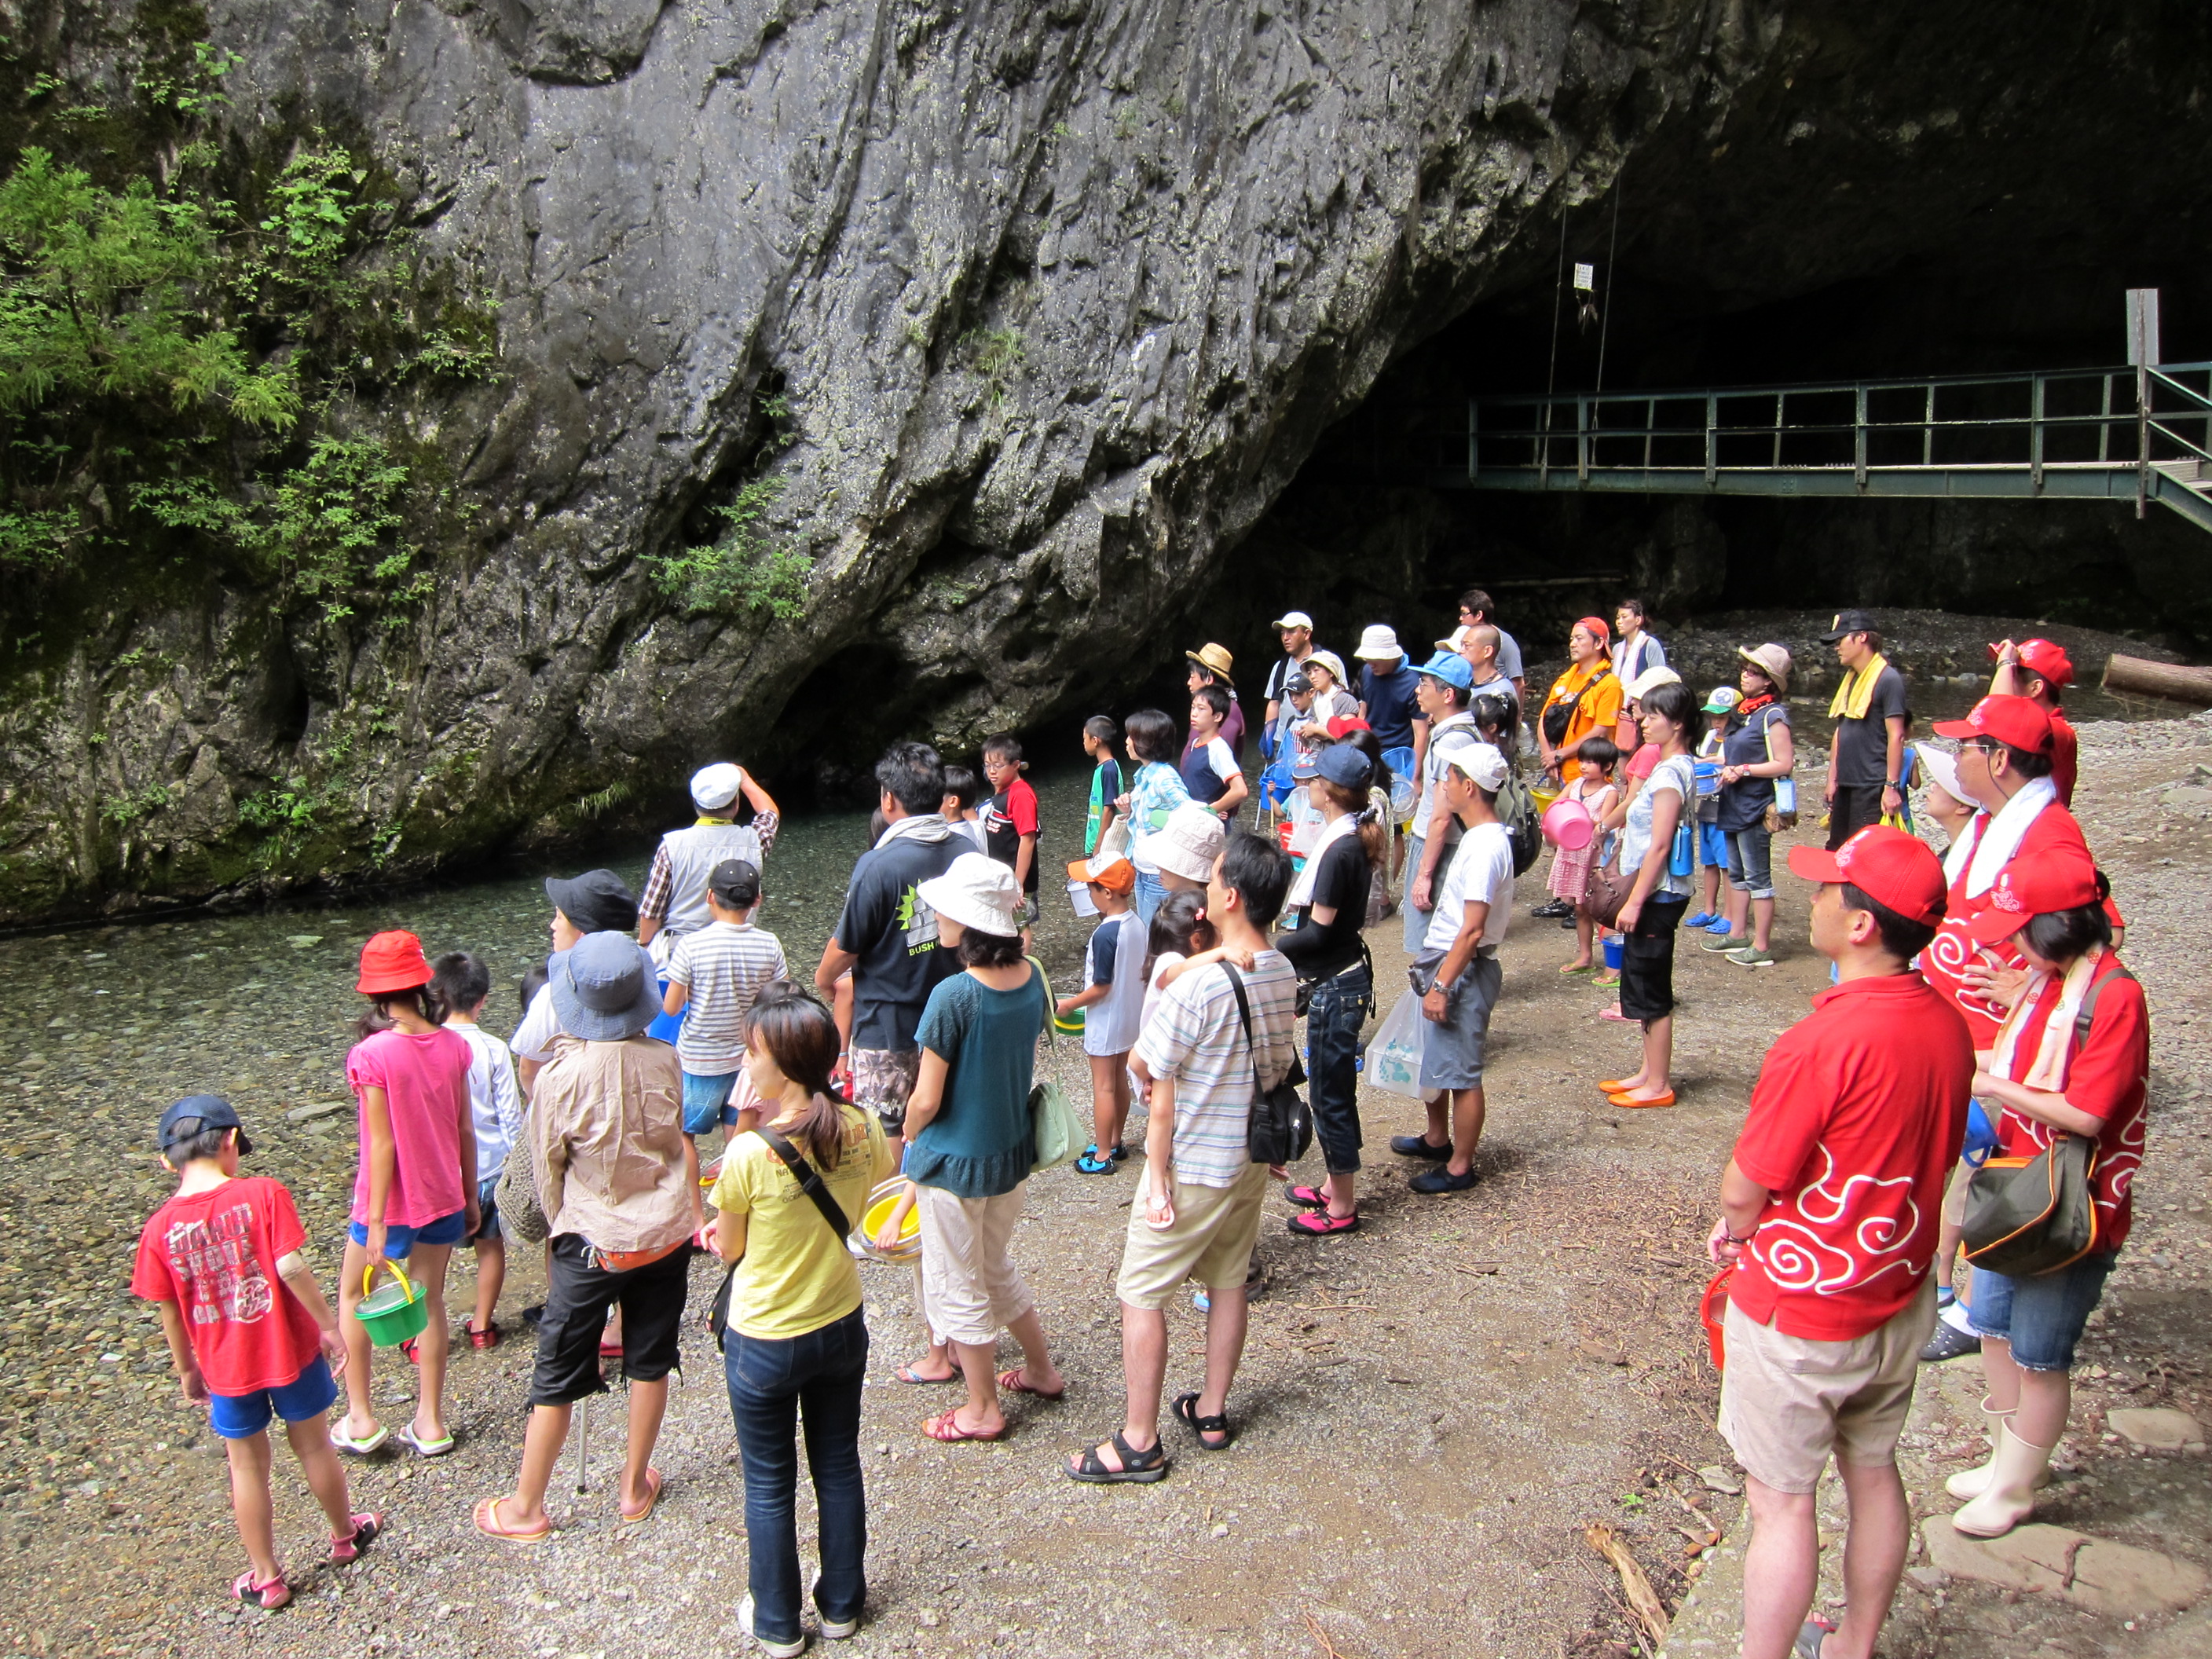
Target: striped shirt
[(723, 965), (1195, 1036)]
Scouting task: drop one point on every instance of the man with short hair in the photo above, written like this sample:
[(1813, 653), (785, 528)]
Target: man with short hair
[(1210, 665), (887, 934), (1294, 630), (1475, 608), (1459, 962), (1866, 763), (1215, 1035), (1443, 692), (1828, 1211), (2038, 671)]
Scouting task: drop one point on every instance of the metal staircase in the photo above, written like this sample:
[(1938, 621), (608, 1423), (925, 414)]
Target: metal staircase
[(2119, 434)]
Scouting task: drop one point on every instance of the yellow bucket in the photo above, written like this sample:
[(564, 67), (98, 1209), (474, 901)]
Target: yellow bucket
[(1543, 797), (881, 1202)]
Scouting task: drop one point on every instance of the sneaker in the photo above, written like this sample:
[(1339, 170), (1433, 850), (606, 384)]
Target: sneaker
[(1948, 1343), (1720, 942), (1443, 1181), (1555, 908), (1417, 1146), (769, 1644), (1702, 919), (840, 1630), (1752, 956)]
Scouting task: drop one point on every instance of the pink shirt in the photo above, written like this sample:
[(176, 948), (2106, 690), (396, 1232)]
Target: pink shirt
[(425, 1081)]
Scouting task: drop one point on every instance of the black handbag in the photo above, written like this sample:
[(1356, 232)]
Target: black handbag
[(1281, 1126), (2026, 1216), (717, 1318)]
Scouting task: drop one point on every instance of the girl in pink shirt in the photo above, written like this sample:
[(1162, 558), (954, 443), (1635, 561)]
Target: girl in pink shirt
[(415, 1196)]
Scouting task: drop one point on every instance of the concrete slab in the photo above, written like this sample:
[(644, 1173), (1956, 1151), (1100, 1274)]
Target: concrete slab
[(2161, 1428), (2117, 1579)]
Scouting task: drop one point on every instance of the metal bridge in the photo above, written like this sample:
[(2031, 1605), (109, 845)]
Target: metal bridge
[(2118, 434)]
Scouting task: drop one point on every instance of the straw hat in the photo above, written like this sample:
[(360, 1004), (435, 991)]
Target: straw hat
[(1213, 657)]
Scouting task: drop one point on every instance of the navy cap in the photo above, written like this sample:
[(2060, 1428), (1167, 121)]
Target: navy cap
[(195, 1114), (597, 901), (1342, 764)]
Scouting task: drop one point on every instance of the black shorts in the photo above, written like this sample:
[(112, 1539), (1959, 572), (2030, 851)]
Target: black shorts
[(577, 1297), (1855, 807), (1647, 959)]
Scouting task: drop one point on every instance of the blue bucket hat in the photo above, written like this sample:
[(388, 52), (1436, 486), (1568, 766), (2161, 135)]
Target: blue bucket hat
[(604, 988), (1449, 667)]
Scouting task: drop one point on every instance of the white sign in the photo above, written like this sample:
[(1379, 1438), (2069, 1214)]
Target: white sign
[(1585, 278)]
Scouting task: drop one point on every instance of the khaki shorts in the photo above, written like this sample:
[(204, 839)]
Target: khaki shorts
[(1787, 1401), (1215, 1229)]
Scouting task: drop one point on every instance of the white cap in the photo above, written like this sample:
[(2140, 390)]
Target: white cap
[(1649, 681), (716, 786), (1292, 619), (1378, 642), (1327, 659), (1943, 771), (1455, 640), (1187, 843), (1481, 762), (976, 892)]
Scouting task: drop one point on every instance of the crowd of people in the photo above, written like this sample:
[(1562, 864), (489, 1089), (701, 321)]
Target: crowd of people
[(892, 1106)]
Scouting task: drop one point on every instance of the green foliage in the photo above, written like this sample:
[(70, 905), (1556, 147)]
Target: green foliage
[(334, 522), (601, 801), (127, 808), (745, 569), (1000, 352)]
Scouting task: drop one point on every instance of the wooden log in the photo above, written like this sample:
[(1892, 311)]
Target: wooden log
[(2158, 679)]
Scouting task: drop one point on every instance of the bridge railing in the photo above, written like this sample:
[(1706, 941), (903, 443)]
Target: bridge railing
[(2103, 418)]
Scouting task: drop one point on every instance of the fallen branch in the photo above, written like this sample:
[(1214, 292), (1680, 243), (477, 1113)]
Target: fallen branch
[(1650, 1613)]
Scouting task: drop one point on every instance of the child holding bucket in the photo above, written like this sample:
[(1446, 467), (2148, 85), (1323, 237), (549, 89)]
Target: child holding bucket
[(415, 1194), (1592, 788), (259, 1340), (1114, 993)]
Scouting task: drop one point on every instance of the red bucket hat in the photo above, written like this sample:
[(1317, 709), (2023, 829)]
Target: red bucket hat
[(1885, 864), (2060, 879), (393, 962), (2016, 722)]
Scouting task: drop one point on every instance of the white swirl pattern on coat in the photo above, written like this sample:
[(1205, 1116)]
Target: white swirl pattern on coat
[(1811, 1251)]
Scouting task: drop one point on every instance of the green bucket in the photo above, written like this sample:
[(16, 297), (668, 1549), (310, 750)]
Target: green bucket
[(394, 1314), (1069, 1025)]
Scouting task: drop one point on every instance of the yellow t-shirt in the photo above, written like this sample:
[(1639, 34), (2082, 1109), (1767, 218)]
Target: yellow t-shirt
[(797, 1276)]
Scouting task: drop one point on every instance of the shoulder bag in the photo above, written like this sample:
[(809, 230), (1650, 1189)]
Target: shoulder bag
[(521, 1216), (2026, 1216), (1282, 1126), (810, 1182), (1056, 1131)]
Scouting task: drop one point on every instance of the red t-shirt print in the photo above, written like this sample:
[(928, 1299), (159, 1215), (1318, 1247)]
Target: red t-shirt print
[(1856, 1119), (215, 1255), (2107, 1079), (1953, 950)]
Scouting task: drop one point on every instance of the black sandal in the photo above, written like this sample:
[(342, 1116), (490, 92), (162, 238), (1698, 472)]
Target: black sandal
[(1151, 1464), (1186, 1407)]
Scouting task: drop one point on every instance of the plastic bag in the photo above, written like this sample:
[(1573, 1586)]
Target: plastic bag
[(1394, 1058)]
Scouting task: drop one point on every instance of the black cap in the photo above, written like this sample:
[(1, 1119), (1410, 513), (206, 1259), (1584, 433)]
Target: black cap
[(736, 883), (196, 1113), (597, 901), (1850, 622)]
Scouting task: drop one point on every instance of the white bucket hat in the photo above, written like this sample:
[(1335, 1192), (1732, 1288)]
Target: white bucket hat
[(1378, 642), (714, 787), (976, 892), (1187, 843), (1649, 681), (1943, 770)]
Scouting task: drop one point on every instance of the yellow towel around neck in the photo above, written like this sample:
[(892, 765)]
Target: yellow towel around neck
[(1855, 695)]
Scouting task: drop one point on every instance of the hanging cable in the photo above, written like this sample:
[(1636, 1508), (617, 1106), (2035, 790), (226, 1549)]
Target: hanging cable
[(1558, 294), (1612, 250)]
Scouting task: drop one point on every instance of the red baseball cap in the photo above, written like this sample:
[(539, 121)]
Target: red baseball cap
[(2047, 661), (2016, 722), (1884, 864), (2060, 878), (1344, 724), (393, 962)]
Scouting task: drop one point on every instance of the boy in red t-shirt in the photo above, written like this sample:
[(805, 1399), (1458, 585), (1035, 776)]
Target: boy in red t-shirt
[(248, 1330), (1009, 817), (1830, 1211)]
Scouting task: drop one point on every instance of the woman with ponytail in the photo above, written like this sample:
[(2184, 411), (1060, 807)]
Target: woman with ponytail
[(795, 1345), (415, 1194)]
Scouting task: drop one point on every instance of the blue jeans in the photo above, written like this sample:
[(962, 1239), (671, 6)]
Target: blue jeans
[(1150, 890), (2042, 1317), (817, 1376), (1338, 1008), (705, 1094), (1750, 861)]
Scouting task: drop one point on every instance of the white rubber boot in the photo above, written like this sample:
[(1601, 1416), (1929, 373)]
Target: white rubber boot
[(1971, 1483), (2009, 1497)]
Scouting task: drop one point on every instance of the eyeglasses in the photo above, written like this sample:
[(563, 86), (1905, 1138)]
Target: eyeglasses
[(1981, 746)]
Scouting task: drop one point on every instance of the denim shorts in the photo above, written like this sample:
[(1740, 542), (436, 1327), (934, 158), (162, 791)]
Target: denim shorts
[(399, 1243), (487, 1212), (1751, 861), (2042, 1317), (242, 1416), (704, 1097)]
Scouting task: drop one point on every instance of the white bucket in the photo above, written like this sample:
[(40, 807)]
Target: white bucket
[(1078, 893)]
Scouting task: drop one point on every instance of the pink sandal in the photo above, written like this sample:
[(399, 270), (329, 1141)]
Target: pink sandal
[(945, 1426), (267, 1594), (367, 1527)]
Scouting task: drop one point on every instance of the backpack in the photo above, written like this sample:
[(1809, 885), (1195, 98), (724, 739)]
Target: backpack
[(1524, 825)]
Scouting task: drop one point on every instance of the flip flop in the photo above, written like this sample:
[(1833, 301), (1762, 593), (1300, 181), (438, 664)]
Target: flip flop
[(653, 1496), (945, 1426), (1016, 1382), (908, 1374), (1583, 968), (1810, 1635), (1667, 1099), (486, 1516), (425, 1448), (352, 1448)]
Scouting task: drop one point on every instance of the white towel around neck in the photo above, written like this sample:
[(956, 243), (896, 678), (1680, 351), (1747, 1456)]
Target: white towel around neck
[(1302, 889), (1998, 837)]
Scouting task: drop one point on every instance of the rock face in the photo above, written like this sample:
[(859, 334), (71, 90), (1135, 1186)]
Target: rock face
[(1059, 296)]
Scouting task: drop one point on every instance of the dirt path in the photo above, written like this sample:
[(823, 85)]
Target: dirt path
[(1431, 1409)]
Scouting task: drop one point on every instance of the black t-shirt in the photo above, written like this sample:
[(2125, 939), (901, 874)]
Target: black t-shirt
[(894, 934), (1863, 746), (1744, 803), (1318, 952), (1390, 708)]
